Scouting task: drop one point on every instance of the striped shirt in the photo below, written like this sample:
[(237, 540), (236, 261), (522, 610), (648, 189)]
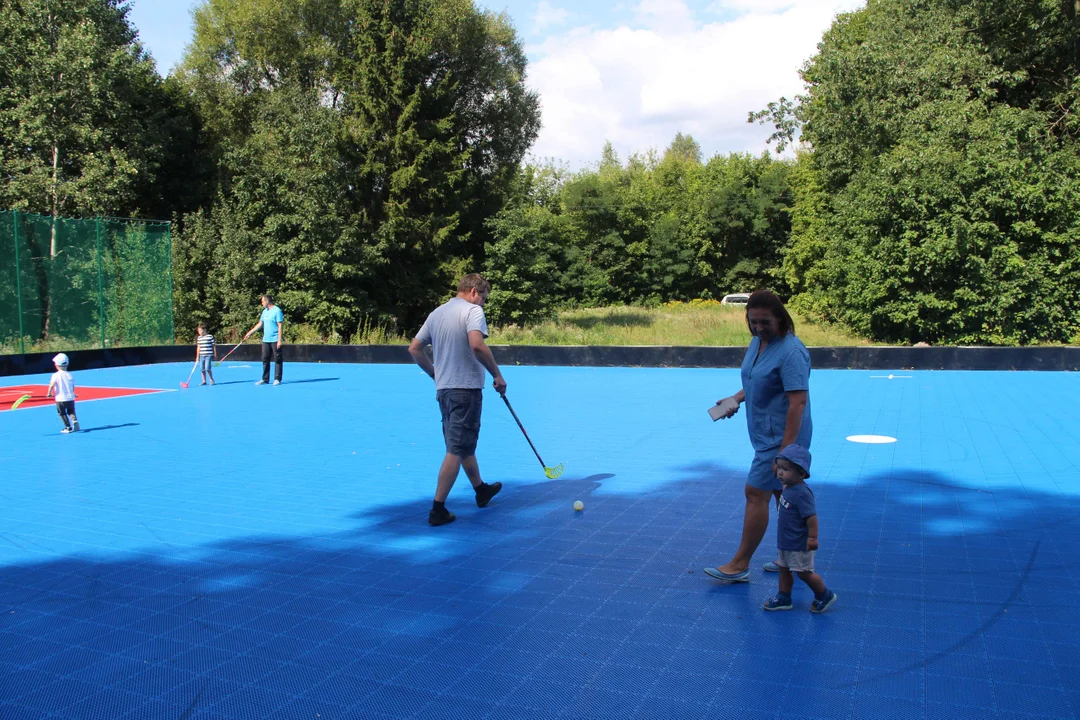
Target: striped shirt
[(206, 345)]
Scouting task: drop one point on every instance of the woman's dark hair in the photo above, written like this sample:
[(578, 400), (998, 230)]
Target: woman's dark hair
[(767, 300)]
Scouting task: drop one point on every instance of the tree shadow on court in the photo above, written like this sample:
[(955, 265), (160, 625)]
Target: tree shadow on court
[(530, 609)]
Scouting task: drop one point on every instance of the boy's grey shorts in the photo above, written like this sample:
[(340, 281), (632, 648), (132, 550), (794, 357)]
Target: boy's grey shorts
[(461, 408), (796, 560)]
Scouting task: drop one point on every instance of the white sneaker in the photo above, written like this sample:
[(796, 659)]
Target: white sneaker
[(277, 382), (66, 430), (261, 382)]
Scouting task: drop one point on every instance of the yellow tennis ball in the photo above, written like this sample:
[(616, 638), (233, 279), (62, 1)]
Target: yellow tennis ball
[(578, 505)]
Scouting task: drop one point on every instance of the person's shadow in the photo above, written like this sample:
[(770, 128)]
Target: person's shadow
[(109, 427), (283, 382)]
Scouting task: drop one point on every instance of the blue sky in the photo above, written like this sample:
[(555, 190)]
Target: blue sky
[(633, 72)]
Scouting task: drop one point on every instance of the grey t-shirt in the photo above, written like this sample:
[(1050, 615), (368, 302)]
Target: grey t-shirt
[(447, 331)]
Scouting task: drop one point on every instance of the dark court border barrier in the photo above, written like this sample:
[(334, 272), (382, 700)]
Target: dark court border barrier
[(857, 358)]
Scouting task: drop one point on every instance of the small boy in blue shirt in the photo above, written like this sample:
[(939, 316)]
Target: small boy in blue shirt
[(797, 532)]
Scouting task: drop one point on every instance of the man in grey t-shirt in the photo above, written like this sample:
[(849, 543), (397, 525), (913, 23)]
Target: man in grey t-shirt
[(456, 331)]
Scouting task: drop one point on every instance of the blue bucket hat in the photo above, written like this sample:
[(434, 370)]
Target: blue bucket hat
[(797, 454)]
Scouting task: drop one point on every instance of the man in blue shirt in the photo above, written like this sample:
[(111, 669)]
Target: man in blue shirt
[(271, 322)]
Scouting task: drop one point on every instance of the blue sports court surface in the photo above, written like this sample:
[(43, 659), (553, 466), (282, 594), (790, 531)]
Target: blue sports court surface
[(262, 552)]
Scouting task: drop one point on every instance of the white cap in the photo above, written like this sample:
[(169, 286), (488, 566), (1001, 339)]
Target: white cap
[(60, 359)]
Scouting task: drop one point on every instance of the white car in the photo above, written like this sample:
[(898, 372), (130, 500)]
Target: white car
[(735, 299)]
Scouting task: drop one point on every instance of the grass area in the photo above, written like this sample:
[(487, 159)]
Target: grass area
[(694, 323)]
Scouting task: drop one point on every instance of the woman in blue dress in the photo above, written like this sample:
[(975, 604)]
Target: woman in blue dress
[(776, 391)]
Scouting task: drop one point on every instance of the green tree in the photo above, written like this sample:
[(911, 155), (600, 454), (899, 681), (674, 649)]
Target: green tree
[(684, 147), (87, 127), (361, 145), (941, 189), (85, 120), (657, 229)]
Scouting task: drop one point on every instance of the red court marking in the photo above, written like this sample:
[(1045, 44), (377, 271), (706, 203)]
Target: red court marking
[(8, 395)]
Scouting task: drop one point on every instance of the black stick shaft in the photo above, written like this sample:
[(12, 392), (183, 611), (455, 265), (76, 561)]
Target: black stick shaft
[(508, 407)]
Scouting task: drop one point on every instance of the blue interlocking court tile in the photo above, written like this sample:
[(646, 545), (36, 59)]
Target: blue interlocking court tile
[(262, 552)]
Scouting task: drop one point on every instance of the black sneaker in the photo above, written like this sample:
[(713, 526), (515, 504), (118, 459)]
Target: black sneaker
[(440, 517), (486, 492)]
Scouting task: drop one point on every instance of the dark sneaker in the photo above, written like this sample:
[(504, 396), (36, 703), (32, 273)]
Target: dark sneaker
[(820, 606), (778, 602), (486, 492), (74, 426), (440, 517)]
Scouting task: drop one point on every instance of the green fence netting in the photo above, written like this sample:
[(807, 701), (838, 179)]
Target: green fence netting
[(79, 284)]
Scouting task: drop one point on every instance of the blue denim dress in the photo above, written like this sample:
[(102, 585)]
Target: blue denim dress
[(783, 367)]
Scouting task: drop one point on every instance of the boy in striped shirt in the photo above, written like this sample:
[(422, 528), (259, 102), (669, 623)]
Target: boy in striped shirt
[(205, 354)]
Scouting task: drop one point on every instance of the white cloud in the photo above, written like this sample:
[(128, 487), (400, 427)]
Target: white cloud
[(665, 16), (721, 7), (548, 16), (638, 86)]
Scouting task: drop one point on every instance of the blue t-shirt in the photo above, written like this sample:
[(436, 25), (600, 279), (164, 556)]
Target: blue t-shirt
[(783, 367), (796, 504), (270, 317)]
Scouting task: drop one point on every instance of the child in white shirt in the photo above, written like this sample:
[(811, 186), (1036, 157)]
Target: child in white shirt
[(62, 385)]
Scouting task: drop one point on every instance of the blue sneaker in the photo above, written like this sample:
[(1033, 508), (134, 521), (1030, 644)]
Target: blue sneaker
[(778, 602), (820, 606), (770, 567)]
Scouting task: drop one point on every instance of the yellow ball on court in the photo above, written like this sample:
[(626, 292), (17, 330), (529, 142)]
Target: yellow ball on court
[(578, 505)]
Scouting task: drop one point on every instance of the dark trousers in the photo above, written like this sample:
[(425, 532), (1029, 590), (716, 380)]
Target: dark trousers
[(66, 411), (270, 351)]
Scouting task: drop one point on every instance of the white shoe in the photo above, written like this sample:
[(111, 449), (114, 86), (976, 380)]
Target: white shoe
[(277, 382), (66, 430), (261, 382)]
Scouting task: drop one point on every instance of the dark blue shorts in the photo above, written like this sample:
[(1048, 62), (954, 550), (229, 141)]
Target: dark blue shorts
[(460, 410)]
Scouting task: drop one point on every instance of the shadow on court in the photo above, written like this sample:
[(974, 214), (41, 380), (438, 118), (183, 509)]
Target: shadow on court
[(284, 382), (109, 427), (952, 602)]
